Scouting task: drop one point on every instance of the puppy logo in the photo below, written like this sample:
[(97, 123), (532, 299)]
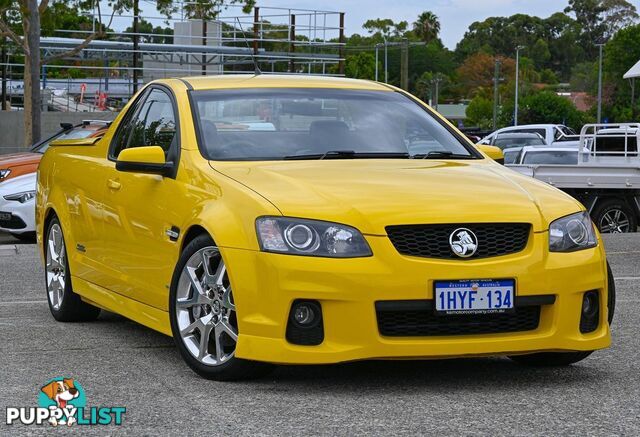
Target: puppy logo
[(63, 397)]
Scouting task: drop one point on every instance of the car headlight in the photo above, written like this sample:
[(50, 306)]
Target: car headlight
[(5, 172), (571, 233), (23, 197), (310, 237)]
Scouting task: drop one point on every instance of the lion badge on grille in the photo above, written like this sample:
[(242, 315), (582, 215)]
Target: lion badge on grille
[(463, 242)]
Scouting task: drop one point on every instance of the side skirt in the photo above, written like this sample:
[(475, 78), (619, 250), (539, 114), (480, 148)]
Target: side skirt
[(146, 315)]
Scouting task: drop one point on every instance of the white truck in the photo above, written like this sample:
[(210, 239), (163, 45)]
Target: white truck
[(606, 178), (553, 134)]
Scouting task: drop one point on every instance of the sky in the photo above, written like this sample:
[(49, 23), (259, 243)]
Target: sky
[(455, 15)]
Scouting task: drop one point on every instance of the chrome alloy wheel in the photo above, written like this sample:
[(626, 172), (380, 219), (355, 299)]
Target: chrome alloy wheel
[(205, 311), (56, 266), (614, 221)]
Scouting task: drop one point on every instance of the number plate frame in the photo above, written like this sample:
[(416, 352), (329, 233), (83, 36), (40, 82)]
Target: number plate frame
[(481, 282)]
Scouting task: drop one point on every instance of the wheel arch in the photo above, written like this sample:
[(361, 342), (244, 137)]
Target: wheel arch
[(192, 232)]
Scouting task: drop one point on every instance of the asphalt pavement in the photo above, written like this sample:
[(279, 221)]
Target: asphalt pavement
[(120, 363)]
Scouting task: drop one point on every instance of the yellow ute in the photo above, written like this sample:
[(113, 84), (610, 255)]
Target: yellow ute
[(288, 219)]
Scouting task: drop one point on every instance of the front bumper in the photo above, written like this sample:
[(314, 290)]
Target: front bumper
[(22, 218), (265, 285)]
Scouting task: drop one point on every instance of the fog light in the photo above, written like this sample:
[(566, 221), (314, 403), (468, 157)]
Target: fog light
[(304, 314), (589, 304), (590, 317), (305, 326)]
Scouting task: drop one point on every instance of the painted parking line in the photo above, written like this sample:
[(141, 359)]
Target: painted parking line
[(22, 302)]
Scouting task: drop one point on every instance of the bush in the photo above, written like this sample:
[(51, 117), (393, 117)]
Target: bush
[(548, 107)]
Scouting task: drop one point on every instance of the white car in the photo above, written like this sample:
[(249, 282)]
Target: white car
[(531, 155), (17, 206), (553, 134)]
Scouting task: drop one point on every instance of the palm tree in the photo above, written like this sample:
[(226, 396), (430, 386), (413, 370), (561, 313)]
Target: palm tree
[(427, 26)]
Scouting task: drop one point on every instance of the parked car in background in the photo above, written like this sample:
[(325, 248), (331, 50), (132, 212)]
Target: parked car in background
[(17, 189), (18, 164), (551, 133), (541, 155), (605, 178), (506, 140), (17, 206)]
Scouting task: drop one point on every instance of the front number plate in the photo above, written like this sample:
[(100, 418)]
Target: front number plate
[(474, 297)]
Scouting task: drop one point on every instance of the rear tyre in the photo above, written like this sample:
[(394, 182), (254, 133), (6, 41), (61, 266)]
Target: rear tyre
[(203, 315), (65, 305), (614, 216), (558, 359)]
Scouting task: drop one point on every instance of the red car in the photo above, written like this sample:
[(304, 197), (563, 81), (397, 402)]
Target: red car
[(18, 164)]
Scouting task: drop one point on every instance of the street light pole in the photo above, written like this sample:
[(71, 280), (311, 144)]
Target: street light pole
[(496, 80), (376, 62), (515, 111), (386, 72), (599, 117)]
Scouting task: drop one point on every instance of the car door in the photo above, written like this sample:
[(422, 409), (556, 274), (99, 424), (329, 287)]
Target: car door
[(139, 216)]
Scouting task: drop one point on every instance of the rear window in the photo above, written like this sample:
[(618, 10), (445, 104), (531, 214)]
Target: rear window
[(504, 142), (551, 157), (73, 134)]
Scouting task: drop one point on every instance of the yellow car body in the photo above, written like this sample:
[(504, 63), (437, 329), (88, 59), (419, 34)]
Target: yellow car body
[(115, 226)]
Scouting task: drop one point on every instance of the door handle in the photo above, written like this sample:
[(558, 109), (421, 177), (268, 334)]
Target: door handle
[(114, 184)]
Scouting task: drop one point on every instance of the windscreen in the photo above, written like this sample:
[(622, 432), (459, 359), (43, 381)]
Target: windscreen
[(274, 124), (551, 157)]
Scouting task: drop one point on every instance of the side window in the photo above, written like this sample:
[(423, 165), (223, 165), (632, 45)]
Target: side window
[(153, 124)]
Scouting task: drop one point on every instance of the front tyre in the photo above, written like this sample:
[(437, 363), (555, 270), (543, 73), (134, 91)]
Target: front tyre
[(203, 315), (556, 359), (65, 305)]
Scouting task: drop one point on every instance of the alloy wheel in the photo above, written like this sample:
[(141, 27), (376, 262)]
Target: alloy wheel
[(56, 266), (614, 221), (205, 311)]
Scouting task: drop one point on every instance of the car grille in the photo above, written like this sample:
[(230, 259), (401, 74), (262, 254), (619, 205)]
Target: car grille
[(417, 319), (432, 241)]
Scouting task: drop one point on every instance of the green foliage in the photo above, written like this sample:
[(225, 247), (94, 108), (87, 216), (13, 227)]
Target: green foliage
[(548, 107), (361, 66), (548, 76), (480, 113), (427, 26)]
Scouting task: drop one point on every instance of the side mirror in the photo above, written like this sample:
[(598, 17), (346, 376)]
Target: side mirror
[(148, 159), (89, 141), (492, 152)]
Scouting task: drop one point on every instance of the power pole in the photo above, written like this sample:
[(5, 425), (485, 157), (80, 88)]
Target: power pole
[(436, 85), (4, 69), (515, 111), (496, 80), (404, 65), (135, 45), (599, 116)]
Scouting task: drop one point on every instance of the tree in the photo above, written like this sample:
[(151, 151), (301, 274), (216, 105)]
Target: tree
[(427, 26), (361, 66), (478, 71), (618, 14), (480, 112), (548, 107), (385, 28), (20, 20)]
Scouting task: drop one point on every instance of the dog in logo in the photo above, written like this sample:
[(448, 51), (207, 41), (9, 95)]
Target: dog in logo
[(61, 392)]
